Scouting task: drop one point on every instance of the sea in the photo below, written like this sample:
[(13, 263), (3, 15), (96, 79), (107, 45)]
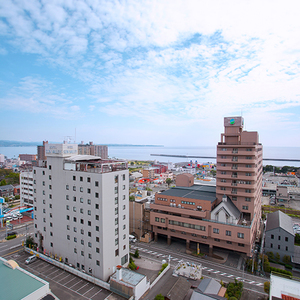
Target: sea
[(146, 153)]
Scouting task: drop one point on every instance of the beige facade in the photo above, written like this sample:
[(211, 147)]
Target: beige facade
[(226, 216), (148, 173)]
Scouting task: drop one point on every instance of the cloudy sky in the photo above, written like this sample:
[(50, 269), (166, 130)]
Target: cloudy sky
[(149, 72)]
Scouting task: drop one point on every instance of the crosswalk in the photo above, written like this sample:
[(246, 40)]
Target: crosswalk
[(209, 270)]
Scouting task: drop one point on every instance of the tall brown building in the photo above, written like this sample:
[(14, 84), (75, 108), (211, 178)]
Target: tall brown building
[(225, 216), (41, 151), (91, 149)]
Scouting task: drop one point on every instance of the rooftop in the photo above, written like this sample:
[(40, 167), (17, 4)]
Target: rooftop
[(200, 192), (26, 282), (279, 219), (129, 277)]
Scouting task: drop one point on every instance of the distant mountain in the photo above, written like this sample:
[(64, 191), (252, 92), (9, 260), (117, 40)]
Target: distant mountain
[(5, 143)]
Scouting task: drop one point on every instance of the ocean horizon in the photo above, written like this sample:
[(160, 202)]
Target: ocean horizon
[(139, 152)]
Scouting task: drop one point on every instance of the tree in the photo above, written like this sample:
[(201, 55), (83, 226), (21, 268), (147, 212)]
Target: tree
[(29, 241), (159, 297), (3, 182), (169, 181), (277, 257), (136, 253), (131, 198), (297, 238), (267, 287), (286, 259), (234, 289), (270, 255)]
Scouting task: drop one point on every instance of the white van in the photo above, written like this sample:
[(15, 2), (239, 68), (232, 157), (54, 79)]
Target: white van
[(132, 238), (30, 259)]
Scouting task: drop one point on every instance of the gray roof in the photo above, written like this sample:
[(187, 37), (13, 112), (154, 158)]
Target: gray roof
[(231, 207), (200, 192), (278, 219), (209, 286), (6, 187)]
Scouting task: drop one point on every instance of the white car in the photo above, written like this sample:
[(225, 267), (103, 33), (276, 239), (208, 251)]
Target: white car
[(14, 217), (30, 259)]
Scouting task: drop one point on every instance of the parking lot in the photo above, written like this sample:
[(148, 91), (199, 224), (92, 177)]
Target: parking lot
[(63, 284)]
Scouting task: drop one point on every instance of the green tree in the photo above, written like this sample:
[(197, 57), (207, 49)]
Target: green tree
[(270, 255), (136, 253), (267, 287), (277, 257), (29, 241), (131, 198), (169, 181), (159, 297), (286, 259), (13, 178), (297, 238), (234, 289), (3, 182)]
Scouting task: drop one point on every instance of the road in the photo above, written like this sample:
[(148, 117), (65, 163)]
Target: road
[(155, 251)]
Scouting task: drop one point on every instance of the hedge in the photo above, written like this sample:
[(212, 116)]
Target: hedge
[(281, 271)]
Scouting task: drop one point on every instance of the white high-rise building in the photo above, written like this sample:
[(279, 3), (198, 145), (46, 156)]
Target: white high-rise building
[(82, 210), (26, 188)]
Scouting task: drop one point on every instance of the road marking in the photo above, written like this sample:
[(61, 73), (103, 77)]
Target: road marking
[(216, 272), (83, 286), (88, 290), (65, 277), (209, 270), (159, 254), (15, 246), (222, 274), (204, 268), (154, 253), (251, 282), (69, 281), (258, 284), (96, 294), (229, 276), (10, 253), (238, 278), (75, 284), (175, 258)]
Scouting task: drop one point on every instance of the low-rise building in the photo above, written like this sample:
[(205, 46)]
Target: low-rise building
[(279, 235)]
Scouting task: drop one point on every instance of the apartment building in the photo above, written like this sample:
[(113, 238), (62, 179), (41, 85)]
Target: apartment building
[(227, 215), (27, 157), (91, 149), (26, 188), (81, 210), (41, 151)]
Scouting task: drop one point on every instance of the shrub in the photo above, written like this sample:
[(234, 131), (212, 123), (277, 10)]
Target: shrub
[(281, 271), (159, 297), (270, 255), (267, 287), (136, 253), (288, 266), (132, 266), (162, 268), (267, 266), (11, 237), (286, 259), (277, 257), (234, 289)]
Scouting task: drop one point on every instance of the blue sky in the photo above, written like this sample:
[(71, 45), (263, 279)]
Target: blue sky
[(149, 72)]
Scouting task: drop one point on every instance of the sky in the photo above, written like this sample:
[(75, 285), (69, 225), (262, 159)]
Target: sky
[(149, 72)]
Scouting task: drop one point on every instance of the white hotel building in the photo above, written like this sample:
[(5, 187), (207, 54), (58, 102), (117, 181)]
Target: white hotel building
[(81, 210)]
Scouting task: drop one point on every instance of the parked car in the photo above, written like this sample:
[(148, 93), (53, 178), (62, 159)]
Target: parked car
[(11, 233), (30, 259), (14, 217)]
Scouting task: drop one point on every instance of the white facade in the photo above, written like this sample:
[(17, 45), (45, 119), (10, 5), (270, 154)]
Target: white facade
[(82, 210), (26, 188)]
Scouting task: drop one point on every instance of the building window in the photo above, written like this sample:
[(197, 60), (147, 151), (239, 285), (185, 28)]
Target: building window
[(81, 200), (124, 236), (240, 235), (75, 250), (67, 197), (217, 240), (241, 245), (156, 219), (74, 198), (271, 245), (97, 228), (97, 217), (75, 239), (216, 230), (116, 190), (74, 177), (97, 206), (51, 233), (82, 242), (124, 207), (90, 256), (116, 221), (124, 259), (75, 229), (278, 247), (97, 239), (89, 201), (81, 221), (124, 227), (50, 205), (234, 198), (96, 183), (124, 217), (43, 183), (272, 236), (50, 196), (81, 189), (228, 233), (68, 237), (279, 238), (81, 231), (286, 239), (81, 178), (97, 262), (245, 207), (88, 191), (89, 234), (88, 179), (50, 215), (82, 253), (124, 247), (124, 197), (50, 187), (89, 212), (68, 227), (43, 192), (67, 207), (81, 210), (51, 244), (223, 188), (116, 200), (89, 223), (116, 241), (74, 188), (247, 199), (74, 208), (229, 242), (163, 220), (97, 195), (286, 248), (247, 191), (74, 219), (116, 179), (123, 187)]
